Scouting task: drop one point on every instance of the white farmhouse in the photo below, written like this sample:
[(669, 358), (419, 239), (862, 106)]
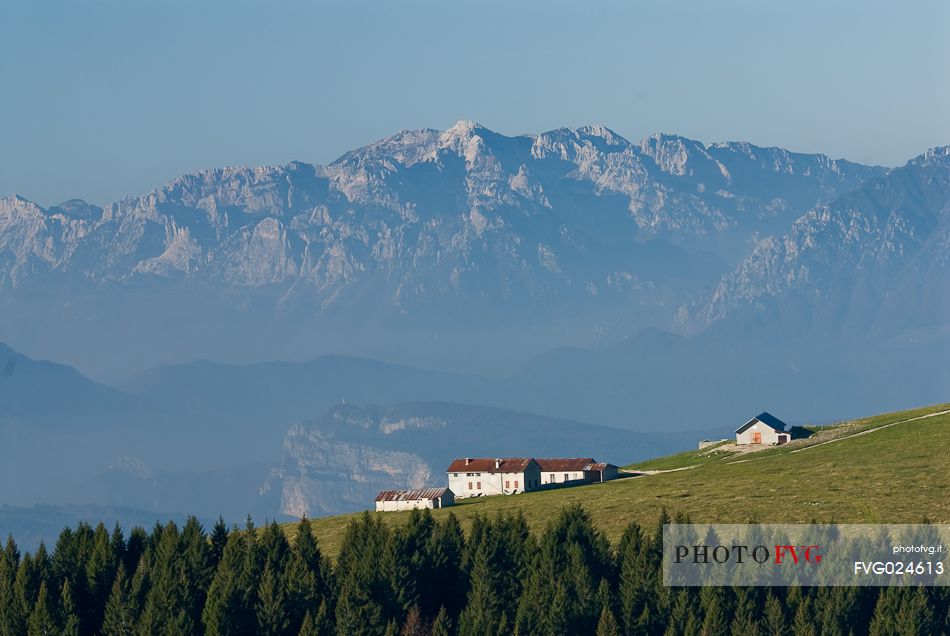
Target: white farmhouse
[(391, 500), (471, 477), (764, 428), (564, 470)]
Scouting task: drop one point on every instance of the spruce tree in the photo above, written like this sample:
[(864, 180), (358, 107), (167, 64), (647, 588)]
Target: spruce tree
[(250, 569), (194, 567), (449, 584), (117, 539), (218, 540), (166, 602), (307, 628), (100, 570), (273, 548), (484, 608), (941, 608), (914, 615), (715, 622), (607, 624), (224, 612), (803, 623), (414, 625), (10, 556), (273, 618), (365, 578), (477, 535), (442, 625), (33, 571), (357, 613), (639, 578), (68, 612), (571, 559), (745, 621), (774, 623), (323, 622), (139, 585), (683, 615), (41, 621), (119, 617), (557, 620), (409, 565), (309, 577), (134, 548), (12, 617)]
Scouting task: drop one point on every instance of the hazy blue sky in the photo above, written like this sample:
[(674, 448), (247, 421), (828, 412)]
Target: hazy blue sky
[(103, 99)]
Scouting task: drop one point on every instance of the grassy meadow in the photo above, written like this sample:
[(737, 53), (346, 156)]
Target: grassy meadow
[(848, 474)]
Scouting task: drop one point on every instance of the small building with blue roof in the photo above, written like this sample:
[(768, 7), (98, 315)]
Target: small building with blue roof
[(765, 429)]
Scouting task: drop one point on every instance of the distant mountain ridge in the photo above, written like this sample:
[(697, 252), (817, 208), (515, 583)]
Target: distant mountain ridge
[(876, 258), (420, 198), (426, 215), (53, 393)]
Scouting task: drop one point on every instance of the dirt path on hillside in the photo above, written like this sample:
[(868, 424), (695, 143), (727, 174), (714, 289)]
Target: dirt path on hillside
[(870, 430), (646, 473), (638, 473)]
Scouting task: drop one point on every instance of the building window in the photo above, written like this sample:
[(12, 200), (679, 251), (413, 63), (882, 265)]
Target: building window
[(479, 485), (566, 476), (516, 484), (455, 474), (507, 484), (469, 485)]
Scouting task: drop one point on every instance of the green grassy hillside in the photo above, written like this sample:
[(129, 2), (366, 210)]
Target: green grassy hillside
[(892, 468)]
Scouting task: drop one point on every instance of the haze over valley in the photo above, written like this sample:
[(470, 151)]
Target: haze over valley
[(243, 340)]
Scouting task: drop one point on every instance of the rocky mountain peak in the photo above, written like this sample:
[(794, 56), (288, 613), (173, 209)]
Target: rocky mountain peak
[(674, 154), (15, 202), (937, 156), (867, 254), (77, 209)]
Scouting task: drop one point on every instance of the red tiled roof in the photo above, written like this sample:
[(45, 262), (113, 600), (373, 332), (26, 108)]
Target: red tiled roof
[(411, 495), (564, 464), (487, 465)]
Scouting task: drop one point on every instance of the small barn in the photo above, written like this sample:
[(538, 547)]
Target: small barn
[(601, 471), (392, 500), (764, 429)]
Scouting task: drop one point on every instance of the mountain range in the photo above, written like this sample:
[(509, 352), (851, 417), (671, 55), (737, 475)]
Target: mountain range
[(439, 240)]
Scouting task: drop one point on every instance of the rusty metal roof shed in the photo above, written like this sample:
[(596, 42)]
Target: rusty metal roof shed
[(421, 494)]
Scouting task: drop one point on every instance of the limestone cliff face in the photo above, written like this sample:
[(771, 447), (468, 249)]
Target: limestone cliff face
[(324, 475), (339, 461)]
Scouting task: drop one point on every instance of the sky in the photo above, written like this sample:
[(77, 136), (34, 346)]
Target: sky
[(102, 99)]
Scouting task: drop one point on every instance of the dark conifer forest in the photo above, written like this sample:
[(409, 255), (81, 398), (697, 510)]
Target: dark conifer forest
[(420, 578)]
